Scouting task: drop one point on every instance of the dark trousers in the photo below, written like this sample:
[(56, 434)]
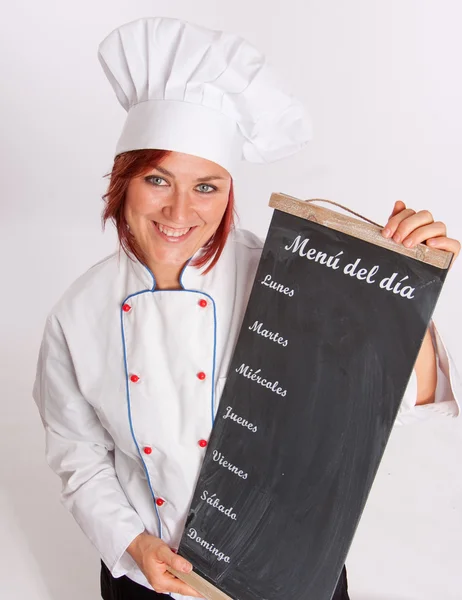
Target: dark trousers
[(123, 588)]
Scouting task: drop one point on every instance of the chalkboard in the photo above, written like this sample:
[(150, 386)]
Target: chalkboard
[(333, 326)]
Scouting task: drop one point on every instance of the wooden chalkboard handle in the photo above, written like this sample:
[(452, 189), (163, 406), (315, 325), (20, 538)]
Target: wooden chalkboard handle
[(200, 584), (344, 208), (368, 232)]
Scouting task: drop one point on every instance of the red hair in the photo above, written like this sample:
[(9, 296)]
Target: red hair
[(133, 164)]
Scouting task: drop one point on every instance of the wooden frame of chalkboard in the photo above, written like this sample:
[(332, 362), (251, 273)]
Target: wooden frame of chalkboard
[(333, 327), (360, 229)]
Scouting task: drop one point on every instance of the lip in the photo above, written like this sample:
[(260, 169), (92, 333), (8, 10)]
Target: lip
[(172, 240)]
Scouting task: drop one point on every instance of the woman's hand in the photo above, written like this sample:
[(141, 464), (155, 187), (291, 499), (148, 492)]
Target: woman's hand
[(409, 227), (153, 556)]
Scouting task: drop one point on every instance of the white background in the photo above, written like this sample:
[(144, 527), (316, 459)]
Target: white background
[(382, 82)]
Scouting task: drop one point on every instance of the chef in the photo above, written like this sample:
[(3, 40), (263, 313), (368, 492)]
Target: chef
[(135, 354)]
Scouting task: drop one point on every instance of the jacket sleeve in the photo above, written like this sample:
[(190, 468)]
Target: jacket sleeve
[(80, 451), (448, 389)]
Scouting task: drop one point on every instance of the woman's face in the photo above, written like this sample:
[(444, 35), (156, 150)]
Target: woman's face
[(174, 209)]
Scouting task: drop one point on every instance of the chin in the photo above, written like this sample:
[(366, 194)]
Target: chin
[(171, 258)]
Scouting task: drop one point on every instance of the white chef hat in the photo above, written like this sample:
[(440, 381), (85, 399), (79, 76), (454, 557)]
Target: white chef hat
[(199, 91)]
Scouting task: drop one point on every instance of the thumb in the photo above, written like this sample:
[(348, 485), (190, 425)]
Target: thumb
[(173, 560)]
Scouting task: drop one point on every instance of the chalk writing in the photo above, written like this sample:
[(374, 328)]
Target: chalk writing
[(246, 371), (274, 337), (362, 274), (220, 459), (215, 502), (277, 286), (352, 268), (234, 417), (192, 534), (312, 254), (406, 292)]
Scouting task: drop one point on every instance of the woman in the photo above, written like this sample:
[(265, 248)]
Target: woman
[(135, 354)]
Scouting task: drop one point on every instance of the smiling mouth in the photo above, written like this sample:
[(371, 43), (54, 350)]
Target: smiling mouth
[(172, 234)]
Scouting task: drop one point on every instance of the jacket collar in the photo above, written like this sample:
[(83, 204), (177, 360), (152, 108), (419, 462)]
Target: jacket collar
[(191, 278)]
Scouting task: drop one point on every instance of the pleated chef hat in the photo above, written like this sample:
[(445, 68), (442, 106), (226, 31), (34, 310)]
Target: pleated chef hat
[(199, 91)]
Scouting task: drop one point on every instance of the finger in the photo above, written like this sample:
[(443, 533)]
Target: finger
[(394, 221), (422, 234), (445, 243), (173, 560), (170, 583), (413, 222), (398, 207)]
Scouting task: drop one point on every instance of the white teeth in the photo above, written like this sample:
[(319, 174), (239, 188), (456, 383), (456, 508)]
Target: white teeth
[(172, 232)]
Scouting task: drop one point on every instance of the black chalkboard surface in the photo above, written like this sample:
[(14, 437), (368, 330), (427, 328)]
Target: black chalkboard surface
[(332, 330)]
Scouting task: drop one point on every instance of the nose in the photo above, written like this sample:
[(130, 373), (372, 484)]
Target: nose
[(178, 209)]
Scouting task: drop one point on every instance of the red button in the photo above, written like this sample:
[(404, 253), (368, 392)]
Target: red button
[(134, 378), (203, 303), (201, 375), (202, 443), (174, 550), (126, 307), (147, 450), (159, 501)]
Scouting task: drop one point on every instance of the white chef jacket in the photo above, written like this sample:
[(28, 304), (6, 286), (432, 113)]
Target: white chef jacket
[(128, 382)]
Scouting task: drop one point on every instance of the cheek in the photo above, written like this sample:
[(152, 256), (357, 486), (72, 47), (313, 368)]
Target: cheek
[(140, 205), (215, 212), (132, 203)]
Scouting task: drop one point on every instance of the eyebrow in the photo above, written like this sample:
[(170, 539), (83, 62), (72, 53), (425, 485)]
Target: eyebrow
[(208, 178)]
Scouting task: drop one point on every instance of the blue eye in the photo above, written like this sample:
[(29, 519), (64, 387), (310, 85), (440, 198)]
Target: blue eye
[(157, 181), (154, 179), (211, 188)]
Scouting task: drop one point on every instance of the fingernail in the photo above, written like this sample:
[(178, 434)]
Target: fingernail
[(407, 243), (186, 568), (397, 237), (386, 233)]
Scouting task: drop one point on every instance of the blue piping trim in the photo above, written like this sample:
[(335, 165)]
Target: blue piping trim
[(127, 388), (181, 275), (153, 282), (127, 385)]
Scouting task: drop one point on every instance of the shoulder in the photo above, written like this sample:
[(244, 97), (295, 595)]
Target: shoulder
[(246, 240), (98, 281), (247, 249)]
